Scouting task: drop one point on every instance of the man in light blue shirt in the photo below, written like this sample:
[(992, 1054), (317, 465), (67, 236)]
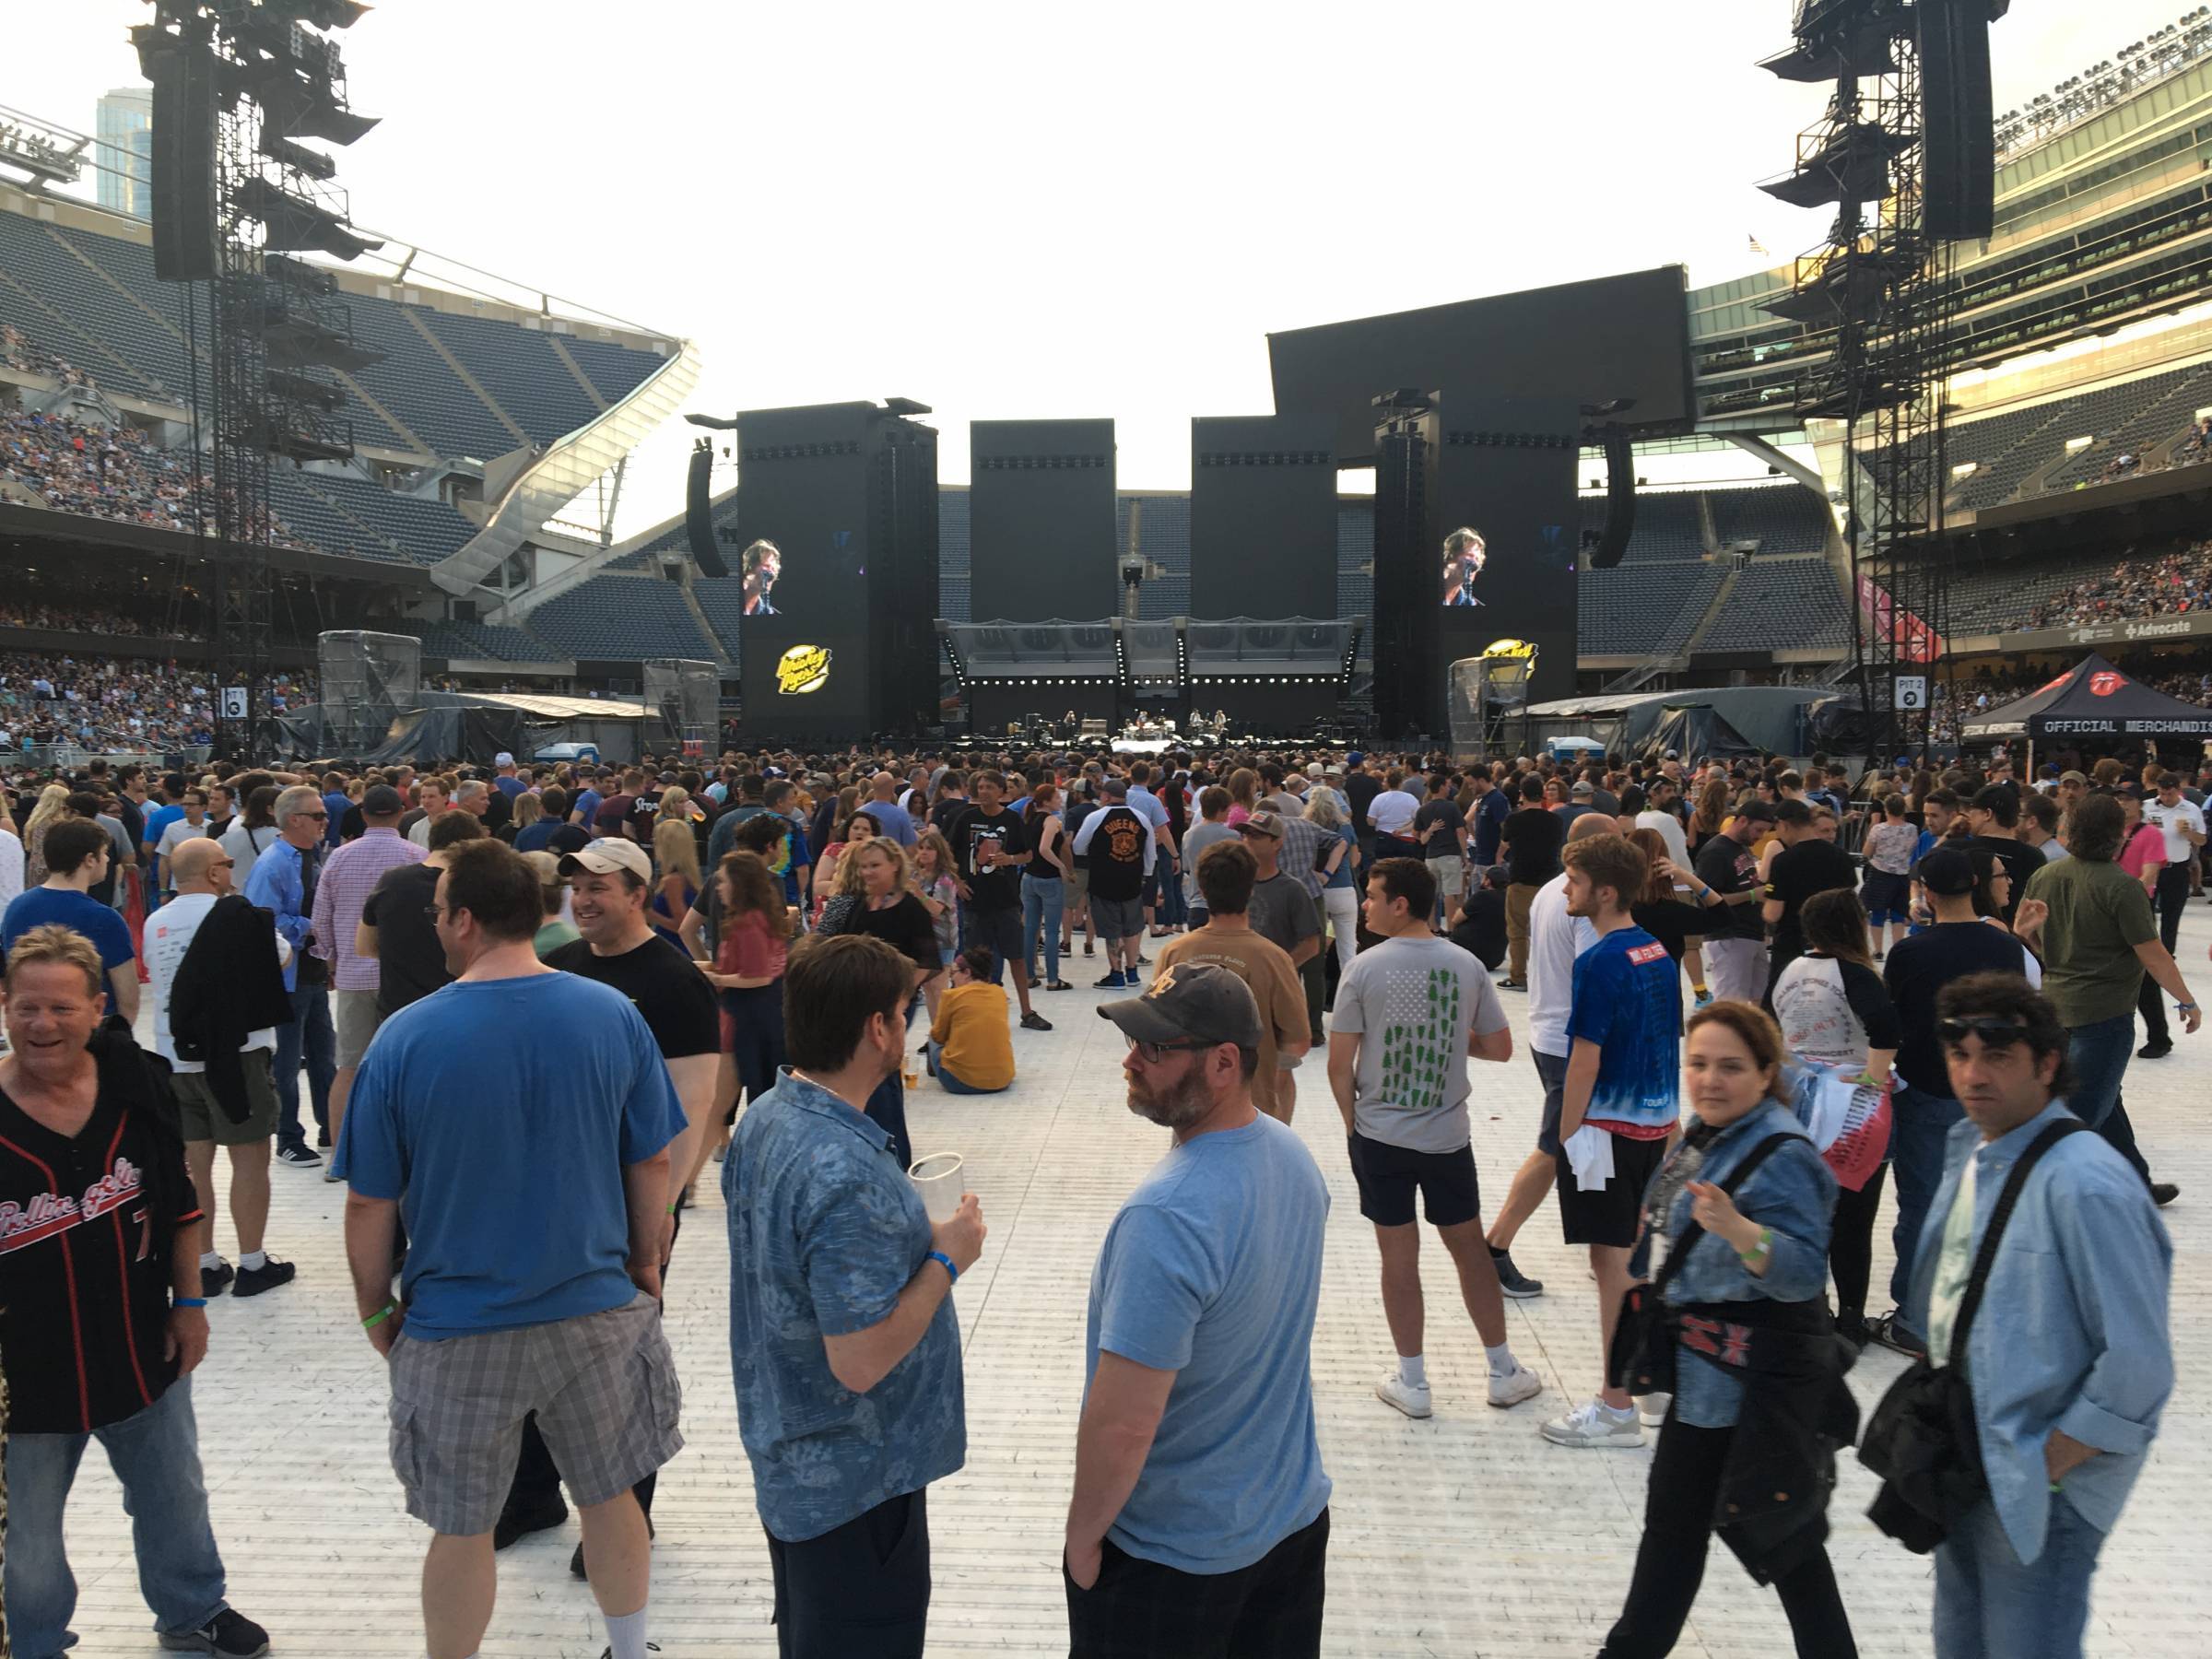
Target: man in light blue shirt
[(283, 882), (893, 820), (1200, 1518), (843, 1343), (2068, 1357)]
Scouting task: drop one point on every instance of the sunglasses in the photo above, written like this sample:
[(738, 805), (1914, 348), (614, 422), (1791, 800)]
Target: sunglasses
[(1152, 1053), (1994, 1033)]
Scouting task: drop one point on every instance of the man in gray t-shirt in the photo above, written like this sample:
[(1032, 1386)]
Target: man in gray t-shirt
[(1410, 1012), (1211, 829)]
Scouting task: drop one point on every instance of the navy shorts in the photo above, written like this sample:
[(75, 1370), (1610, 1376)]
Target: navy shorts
[(1552, 1070), (1389, 1176), (1887, 897)]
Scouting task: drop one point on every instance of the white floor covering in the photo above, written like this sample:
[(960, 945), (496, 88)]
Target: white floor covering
[(1464, 1536)]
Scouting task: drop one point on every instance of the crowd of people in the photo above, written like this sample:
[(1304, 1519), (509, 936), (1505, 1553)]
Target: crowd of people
[(118, 704), (2169, 585), (697, 964), (115, 473), (18, 352)]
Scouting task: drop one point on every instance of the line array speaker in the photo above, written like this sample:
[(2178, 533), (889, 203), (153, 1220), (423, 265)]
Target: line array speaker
[(698, 511), (1957, 120), (183, 166)]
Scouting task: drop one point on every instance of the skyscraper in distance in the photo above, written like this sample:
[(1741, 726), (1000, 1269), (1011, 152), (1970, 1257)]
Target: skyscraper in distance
[(126, 135)]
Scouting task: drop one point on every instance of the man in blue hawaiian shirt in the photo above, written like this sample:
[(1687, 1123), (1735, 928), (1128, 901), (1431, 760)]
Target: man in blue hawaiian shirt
[(843, 1343)]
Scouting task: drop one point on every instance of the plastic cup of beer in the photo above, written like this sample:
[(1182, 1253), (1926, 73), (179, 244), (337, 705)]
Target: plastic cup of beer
[(938, 1179)]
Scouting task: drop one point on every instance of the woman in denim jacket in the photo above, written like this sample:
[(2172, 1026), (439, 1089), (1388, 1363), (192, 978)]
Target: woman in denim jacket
[(1754, 1361)]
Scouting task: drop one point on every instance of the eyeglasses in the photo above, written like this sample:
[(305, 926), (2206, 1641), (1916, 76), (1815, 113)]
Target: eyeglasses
[(1152, 1053), (434, 912), (1994, 1033), (223, 864)]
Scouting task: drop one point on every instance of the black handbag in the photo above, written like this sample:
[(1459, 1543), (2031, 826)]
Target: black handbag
[(1922, 1439), (1641, 1359)]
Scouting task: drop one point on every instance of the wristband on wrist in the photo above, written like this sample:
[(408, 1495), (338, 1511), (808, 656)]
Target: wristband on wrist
[(951, 1271), (379, 1317), (188, 1301), (1758, 1251)]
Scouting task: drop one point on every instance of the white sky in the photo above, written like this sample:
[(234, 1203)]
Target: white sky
[(1040, 210)]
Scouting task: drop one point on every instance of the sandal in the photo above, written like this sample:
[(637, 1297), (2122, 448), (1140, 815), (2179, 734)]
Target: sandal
[(1058, 985)]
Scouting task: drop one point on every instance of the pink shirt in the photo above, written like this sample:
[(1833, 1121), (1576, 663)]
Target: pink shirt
[(348, 874), (2145, 848)]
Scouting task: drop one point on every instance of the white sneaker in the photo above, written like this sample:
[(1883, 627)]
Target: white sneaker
[(1651, 1409), (1412, 1398), (1516, 1385), (1594, 1424)]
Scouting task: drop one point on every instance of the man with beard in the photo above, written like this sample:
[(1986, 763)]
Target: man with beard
[(1200, 1519)]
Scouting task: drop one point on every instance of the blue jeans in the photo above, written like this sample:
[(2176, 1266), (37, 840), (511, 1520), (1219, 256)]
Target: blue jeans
[(950, 1084), (2100, 1053), (1172, 912), (1990, 1604), (155, 1455), (310, 1032), (1041, 902), (1921, 1124)]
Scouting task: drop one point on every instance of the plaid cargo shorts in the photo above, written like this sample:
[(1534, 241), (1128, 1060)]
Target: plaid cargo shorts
[(603, 1385)]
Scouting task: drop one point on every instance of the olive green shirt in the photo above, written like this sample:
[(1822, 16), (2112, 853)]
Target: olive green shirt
[(2098, 914)]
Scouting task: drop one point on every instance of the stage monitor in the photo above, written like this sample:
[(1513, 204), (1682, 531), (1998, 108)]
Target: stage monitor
[(1264, 515), (1040, 504), (1601, 341)]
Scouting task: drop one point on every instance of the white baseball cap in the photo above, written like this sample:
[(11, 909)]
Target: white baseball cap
[(607, 854)]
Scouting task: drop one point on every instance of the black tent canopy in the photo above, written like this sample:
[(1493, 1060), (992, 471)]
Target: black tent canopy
[(2092, 699)]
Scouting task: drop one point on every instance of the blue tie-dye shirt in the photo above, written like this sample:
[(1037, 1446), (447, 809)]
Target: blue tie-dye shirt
[(1628, 1000), (824, 1232)]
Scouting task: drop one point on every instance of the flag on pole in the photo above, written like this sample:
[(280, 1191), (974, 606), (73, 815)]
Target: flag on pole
[(1756, 246)]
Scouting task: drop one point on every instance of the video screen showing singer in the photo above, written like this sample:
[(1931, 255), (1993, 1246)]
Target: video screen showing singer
[(760, 564), (1465, 554)]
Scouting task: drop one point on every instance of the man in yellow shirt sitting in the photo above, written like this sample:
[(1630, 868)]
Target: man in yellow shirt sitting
[(969, 1052)]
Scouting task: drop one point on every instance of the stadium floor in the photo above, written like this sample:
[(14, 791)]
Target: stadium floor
[(1464, 1536)]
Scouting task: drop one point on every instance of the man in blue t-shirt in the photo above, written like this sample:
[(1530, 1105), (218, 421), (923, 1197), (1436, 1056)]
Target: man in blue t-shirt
[(1485, 820), (536, 1222), (1621, 1101), (1200, 1505), (78, 856)]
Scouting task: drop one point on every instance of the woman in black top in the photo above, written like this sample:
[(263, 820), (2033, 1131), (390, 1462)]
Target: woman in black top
[(1678, 926)]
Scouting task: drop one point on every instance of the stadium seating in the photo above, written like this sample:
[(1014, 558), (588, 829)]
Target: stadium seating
[(1784, 518), (723, 599), (1999, 597), (518, 367), (1780, 604), (617, 370), (2133, 416), (1163, 533), (449, 640), (622, 618)]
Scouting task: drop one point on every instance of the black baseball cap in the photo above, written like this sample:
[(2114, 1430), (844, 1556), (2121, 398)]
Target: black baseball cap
[(380, 800), (1947, 871), (1756, 812), (1209, 1004)]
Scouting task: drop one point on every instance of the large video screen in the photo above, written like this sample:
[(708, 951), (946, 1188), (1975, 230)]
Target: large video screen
[(803, 510), (1608, 339), (1508, 536)]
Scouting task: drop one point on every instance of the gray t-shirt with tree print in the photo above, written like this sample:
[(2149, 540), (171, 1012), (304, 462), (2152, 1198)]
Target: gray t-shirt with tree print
[(1415, 1001)]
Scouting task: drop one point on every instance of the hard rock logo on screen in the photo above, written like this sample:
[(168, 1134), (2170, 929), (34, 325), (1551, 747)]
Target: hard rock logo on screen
[(802, 669)]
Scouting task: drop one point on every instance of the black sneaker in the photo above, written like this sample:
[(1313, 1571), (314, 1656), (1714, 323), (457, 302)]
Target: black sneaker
[(1511, 1279), (2153, 1050), (300, 1158), (512, 1528), (2163, 1193), (1034, 1021), (214, 1280), (228, 1633), (651, 1647), (323, 1137), (1852, 1327), (253, 1281), (1512, 984), (1890, 1330)]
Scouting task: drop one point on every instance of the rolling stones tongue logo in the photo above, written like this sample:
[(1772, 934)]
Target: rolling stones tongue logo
[(2106, 681)]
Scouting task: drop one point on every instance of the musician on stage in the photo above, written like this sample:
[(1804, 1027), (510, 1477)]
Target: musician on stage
[(1465, 554)]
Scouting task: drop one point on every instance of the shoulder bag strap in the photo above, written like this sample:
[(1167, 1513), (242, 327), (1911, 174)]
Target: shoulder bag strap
[(1735, 1179), (1985, 1258)]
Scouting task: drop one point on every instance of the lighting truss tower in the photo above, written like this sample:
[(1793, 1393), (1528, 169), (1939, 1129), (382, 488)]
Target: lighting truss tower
[(270, 328), (1881, 288)]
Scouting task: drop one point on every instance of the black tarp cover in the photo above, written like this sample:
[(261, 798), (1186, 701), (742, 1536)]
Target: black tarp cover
[(1696, 730), (2092, 699)]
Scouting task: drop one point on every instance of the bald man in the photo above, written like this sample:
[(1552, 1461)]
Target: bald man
[(891, 819), (238, 977)]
